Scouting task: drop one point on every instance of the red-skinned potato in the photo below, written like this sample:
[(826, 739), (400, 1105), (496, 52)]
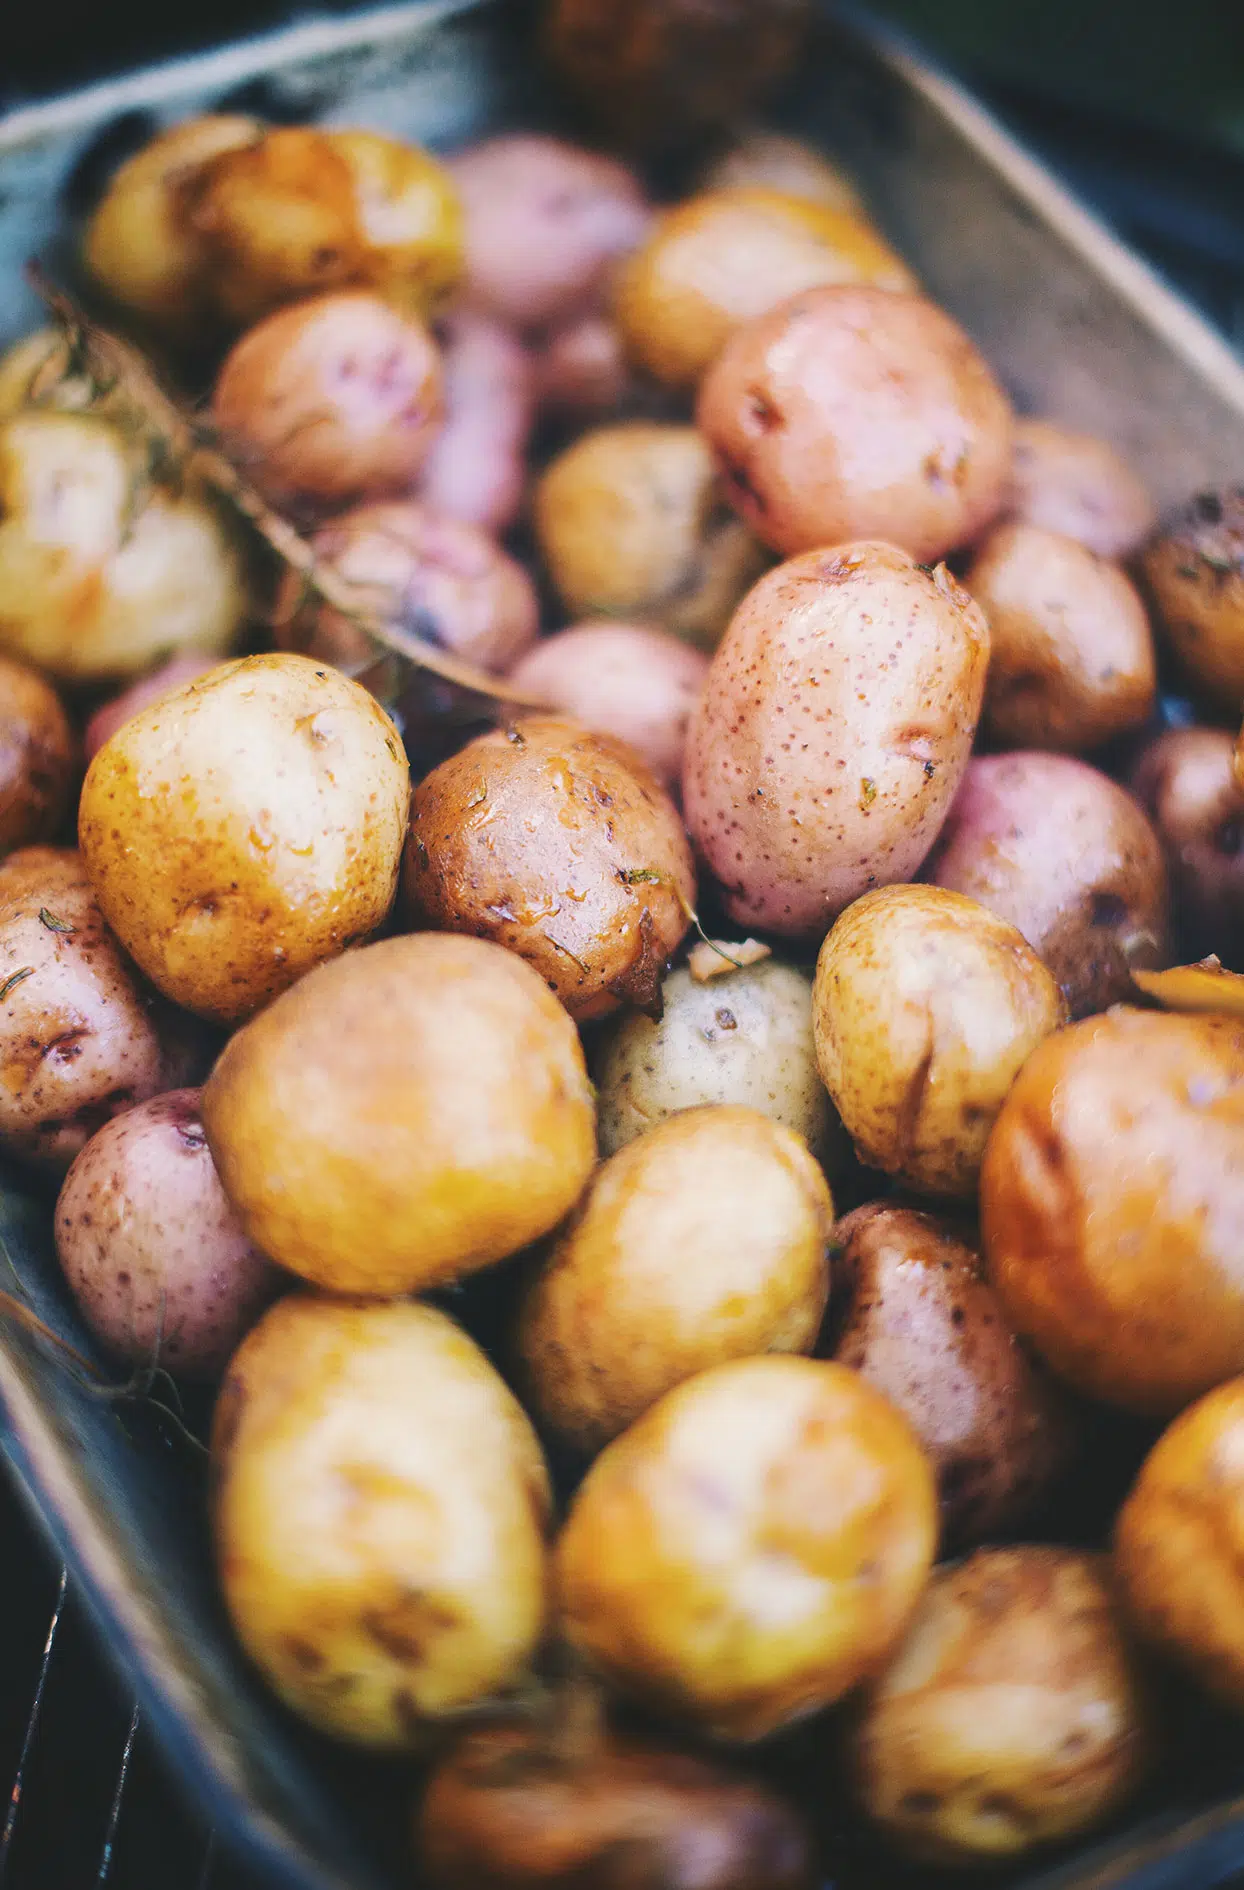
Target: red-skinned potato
[(858, 413), (476, 469), (783, 163), (1186, 783), (582, 372), (38, 758), (832, 733), (1194, 568), (153, 687), (1074, 484)]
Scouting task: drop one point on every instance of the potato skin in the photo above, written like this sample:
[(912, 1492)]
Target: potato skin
[(1112, 1205), (778, 162), (703, 1240), (832, 733), (379, 1511), (38, 758), (560, 845), (923, 1325), (475, 470), (157, 1260), (751, 1548), (458, 1125), (1071, 660), (1071, 483), (153, 687), (858, 412), (1012, 1716), (1194, 568), (1185, 781), (1097, 906), (246, 828)]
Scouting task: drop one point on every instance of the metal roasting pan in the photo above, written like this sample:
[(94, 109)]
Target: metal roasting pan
[(1080, 329)]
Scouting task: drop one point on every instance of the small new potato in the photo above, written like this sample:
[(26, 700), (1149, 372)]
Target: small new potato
[(1014, 1715), (1078, 486), (630, 523), (245, 828), (379, 1509), (778, 162), (833, 731), (38, 758), (1112, 1198), (926, 1006), (701, 1241), (1186, 783), (1071, 660), (582, 372), (406, 1114), (1095, 904), (858, 412), (1194, 568), (560, 845), (156, 1257), (331, 401), (476, 470)]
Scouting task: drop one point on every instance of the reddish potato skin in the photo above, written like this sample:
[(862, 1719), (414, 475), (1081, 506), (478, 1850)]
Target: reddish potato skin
[(1186, 783), (1072, 483), (475, 470), (832, 733), (858, 412), (582, 372), (38, 756), (111, 715)]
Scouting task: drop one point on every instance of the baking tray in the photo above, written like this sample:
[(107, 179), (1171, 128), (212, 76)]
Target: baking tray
[(1080, 330)]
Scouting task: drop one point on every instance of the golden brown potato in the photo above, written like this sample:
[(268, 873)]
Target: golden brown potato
[(1194, 567), (101, 571), (1013, 1715), (331, 401), (379, 1510), (631, 523), (1112, 1192), (835, 726), (720, 259), (925, 1007), (1185, 781), (923, 1325), (1074, 484), (778, 162), (38, 758), (413, 1111), (1066, 855), (245, 828), (752, 1548), (560, 845), (1071, 661), (703, 1240), (858, 413)]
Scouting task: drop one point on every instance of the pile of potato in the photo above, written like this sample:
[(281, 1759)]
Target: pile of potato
[(577, 1433)]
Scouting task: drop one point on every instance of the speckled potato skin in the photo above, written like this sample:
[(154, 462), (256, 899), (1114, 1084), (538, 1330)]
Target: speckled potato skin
[(832, 733), (1194, 568), (560, 845), (703, 1240), (1068, 856), (379, 1508), (246, 828), (157, 1260), (920, 1321), (744, 1038), (787, 164), (406, 1114), (1072, 483), (1112, 1206), (858, 412), (1014, 1714), (752, 1548), (38, 758), (81, 1036), (1186, 783), (1071, 661)]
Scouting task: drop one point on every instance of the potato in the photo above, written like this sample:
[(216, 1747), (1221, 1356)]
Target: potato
[(101, 571), (156, 1257), (778, 162), (1185, 782), (1067, 856), (1112, 1194), (744, 1038), (514, 1805), (857, 412), (379, 1506), (703, 1240), (331, 401), (721, 259), (1194, 567), (153, 687), (81, 1037), (923, 1325), (621, 679), (925, 1007), (1013, 1716), (245, 828), (545, 223), (1071, 661), (405, 1115), (38, 758), (560, 845), (475, 470), (630, 523), (832, 733), (582, 372), (752, 1548), (39, 370), (443, 579), (1074, 484)]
